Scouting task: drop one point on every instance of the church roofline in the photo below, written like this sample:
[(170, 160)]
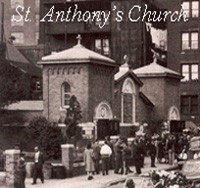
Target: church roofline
[(136, 79), (146, 100), (158, 75), (77, 61), (77, 54)]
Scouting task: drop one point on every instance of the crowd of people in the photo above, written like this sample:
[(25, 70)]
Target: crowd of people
[(120, 154), (117, 155)]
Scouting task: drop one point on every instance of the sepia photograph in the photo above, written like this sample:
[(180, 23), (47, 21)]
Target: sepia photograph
[(99, 94)]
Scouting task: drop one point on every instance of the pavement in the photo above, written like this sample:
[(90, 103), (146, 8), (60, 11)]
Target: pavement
[(99, 181)]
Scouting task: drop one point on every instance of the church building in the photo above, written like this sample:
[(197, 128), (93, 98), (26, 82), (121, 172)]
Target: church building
[(114, 100)]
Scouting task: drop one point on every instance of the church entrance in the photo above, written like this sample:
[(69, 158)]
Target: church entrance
[(105, 124), (175, 124), (106, 127)]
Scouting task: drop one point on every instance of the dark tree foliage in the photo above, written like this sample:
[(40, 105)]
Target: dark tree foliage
[(48, 136), (37, 126), (51, 141), (13, 84), (73, 117)]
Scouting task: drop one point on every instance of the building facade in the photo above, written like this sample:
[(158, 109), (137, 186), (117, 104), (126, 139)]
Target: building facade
[(80, 72), (111, 35), (16, 26), (20, 26), (162, 86), (184, 56), (107, 97)]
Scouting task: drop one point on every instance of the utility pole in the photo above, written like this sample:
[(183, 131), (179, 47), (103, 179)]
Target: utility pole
[(2, 21)]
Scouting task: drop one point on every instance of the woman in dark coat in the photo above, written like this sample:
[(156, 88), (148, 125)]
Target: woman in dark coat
[(20, 173)]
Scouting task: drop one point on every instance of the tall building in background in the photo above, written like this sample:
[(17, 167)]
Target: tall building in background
[(184, 56), (21, 32), (116, 39), (24, 35), (19, 41)]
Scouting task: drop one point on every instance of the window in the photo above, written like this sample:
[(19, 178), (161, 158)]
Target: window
[(191, 8), (195, 9), (128, 108), (190, 72), (189, 104), (18, 37), (128, 102), (185, 7), (15, 3), (190, 40), (66, 95), (102, 46)]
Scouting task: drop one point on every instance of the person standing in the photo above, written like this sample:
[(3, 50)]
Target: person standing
[(105, 156), (20, 173), (96, 156), (152, 153), (112, 157), (118, 148), (141, 145), (38, 165), (137, 156), (88, 159), (160, 154), (127, 154)]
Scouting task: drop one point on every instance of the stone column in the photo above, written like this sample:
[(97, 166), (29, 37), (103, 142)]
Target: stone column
[(11, 160), (68, 158)]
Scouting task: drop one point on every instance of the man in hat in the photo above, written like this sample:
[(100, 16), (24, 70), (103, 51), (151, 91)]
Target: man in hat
[(38, 164), (156, 181)]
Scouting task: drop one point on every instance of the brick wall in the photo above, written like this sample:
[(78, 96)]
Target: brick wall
[(117, 98), (144, 113), (53, 77), (171, 94), (165, 94), (101, 87), (155, 95), (91, 84), (176, 57)]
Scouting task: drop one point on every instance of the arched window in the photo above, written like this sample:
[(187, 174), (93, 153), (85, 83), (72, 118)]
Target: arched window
[(66, 94), (128, 102)]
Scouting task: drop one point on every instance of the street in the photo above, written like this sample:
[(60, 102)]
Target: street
[(98, 181)]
